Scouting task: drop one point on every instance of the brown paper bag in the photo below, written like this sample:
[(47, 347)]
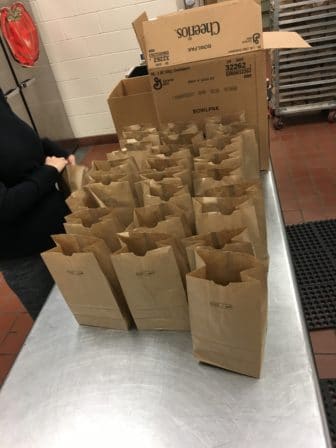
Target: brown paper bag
[(107, 171), (180, 253), (173, 134), (160, 162), (162, 218), (171, 192), (117, 158), (98, 222), (153, 288), (140, 149), (252, 190), (141, 241), (176, 172), (82, 269), (182, 158), (117, 195), (228, 311), (88, 216), (236, 240), (216, 214), (139, 130), (80, 199), (73, 177), (228, 124), (214, 129), (161, 149), (227, 167), (214, 155), (202, 183), (183, 202), (164, 189), (218, 142), (250, 153)]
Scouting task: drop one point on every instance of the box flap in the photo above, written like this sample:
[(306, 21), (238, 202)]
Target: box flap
[(227, 28), (131, 86), (118, 90), (283, 39), (137, 85), (138, 29)]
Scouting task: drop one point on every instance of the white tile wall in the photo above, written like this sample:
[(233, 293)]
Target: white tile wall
[(78, 88), (109, 4), (36, 10), (67, 50), (92, 124), (75, 69), (56, 9), (81, 106), (80, 26), (120, 18), (112, 42), (117, 62), (51, 32), (109, 80), (91, 45), (86, 6)]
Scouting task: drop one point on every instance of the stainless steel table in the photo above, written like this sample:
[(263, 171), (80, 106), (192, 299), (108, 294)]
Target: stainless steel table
[(75, 386)]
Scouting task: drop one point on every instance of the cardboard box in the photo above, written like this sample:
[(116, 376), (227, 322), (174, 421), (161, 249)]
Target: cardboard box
[(211, 60), (131, 101), (218, 86), (198, 34)]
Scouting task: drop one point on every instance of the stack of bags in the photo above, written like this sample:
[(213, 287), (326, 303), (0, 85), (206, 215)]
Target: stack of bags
[(169, 233)]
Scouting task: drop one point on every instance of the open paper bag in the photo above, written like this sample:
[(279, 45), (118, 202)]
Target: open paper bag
[(74, 177), (152, 282), (117, 195), (215, 214), (98, 222), (237, 240), (228, 311), (81, 267), (164, 217)]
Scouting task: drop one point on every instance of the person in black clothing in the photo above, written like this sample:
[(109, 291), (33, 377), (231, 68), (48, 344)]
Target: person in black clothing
[(31, 206)]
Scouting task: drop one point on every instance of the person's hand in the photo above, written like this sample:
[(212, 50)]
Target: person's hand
[(72, 160), (57, 162)]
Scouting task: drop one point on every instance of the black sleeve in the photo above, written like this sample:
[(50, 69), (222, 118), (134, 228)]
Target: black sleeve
[(22, 197), (3, 99), (52, 149)]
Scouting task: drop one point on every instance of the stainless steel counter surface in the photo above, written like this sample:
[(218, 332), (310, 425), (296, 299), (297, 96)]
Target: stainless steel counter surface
[(84, 387)]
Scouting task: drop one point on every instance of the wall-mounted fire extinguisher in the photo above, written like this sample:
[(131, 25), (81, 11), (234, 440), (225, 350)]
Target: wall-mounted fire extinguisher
[(20, 33)]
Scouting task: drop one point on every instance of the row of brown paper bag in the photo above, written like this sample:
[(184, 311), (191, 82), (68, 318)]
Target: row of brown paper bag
[(146, 218), (237, 161), (227, 288), (95, 280)]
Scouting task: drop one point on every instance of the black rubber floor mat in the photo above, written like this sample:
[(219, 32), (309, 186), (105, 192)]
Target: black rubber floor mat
[(313, 251), (328, 390)]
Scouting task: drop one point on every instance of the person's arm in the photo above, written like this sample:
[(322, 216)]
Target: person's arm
[(17, 200), (52, 149), (3, 99)]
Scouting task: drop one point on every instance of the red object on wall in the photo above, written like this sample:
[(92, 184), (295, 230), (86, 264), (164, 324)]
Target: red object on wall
[(20, 33)]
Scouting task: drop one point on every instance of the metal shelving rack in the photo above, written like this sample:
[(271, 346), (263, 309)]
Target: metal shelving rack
[(305, 79)]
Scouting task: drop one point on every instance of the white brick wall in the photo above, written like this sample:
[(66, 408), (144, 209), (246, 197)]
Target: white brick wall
[(91, 45)]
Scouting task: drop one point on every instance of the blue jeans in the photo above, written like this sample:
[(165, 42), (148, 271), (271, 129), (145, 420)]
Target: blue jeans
[(30, 280)]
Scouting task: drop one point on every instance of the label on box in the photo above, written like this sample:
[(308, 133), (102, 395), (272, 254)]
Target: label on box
[(238, 67), (188, 81), (219, 86), (199, 34)]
